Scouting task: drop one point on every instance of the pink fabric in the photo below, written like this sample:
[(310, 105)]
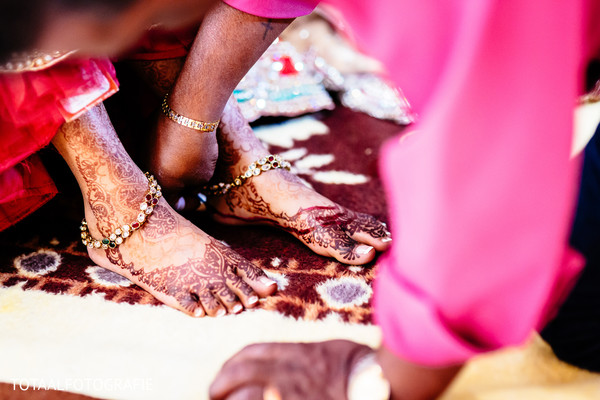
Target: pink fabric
[(481, 197), (274, 8)]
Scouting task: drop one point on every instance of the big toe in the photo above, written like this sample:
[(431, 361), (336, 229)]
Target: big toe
[(257, 280)]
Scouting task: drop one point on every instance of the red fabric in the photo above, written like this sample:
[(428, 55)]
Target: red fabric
[(33, 105), (23, 188), (159, 44)]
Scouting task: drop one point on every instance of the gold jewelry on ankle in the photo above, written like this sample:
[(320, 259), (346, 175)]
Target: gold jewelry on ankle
[(120, 234), (185, 121), (272, 161)]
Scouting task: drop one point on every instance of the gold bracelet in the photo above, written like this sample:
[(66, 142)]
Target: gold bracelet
[(185, 121), (256, 168), (120, 234)]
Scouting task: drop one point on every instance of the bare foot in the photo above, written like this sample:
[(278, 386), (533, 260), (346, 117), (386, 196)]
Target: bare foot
[(178, 263), (168, 256), (279, 198)]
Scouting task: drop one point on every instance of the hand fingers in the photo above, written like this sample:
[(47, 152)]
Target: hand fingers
[(252, 392), (271, 393), (260, 351), (236, 375)]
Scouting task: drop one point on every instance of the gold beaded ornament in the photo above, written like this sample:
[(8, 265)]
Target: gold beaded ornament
[(120, 234), (272, 161), (185, 121), (32, 61)]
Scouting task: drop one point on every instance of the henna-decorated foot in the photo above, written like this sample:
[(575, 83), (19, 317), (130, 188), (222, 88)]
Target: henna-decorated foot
[(178, 263), (168, 256), (278, 197)]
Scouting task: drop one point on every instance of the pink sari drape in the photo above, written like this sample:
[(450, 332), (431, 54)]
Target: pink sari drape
[(481, 197)]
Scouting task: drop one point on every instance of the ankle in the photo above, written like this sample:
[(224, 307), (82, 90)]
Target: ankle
[(125, 208)]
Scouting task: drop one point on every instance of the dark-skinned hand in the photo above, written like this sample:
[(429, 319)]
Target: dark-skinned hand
[(294, 371)]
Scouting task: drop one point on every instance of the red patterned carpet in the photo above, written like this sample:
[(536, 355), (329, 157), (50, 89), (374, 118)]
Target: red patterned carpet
[(44, 252), (42, 262), (67, 324)]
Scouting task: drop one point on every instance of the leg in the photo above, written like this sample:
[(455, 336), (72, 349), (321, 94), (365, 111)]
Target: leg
[(325, 227), (179, 155), (168, 256), (281, 199), (575, 332)]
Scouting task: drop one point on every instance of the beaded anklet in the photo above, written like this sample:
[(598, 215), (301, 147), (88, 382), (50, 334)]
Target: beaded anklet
[(120, 234), (256, 168)]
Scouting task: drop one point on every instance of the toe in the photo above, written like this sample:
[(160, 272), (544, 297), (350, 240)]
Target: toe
[(211, 305), (188, 302), (353, 252), (257, 280), (367, 229), (228, 299), (334, 241), (244, 291), (379, 243)]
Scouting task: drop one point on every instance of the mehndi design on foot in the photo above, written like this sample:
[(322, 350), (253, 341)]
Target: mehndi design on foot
[(281, 199), (170, 257)]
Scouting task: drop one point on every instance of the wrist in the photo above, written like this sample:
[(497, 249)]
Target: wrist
[(410, 380)]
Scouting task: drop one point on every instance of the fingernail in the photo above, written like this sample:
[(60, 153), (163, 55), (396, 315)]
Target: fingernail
[(221, 312), (237, 308), (266, 281), (252, 300), (180, 205), (199, 312), (384, 224), (363, 249), (387, 239)]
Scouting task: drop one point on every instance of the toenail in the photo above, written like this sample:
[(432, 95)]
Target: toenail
[(387, 239), (180, 205), (237, 308), (252, 300), (364, 249), (266, 281), (199, 312), (221, 312)]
